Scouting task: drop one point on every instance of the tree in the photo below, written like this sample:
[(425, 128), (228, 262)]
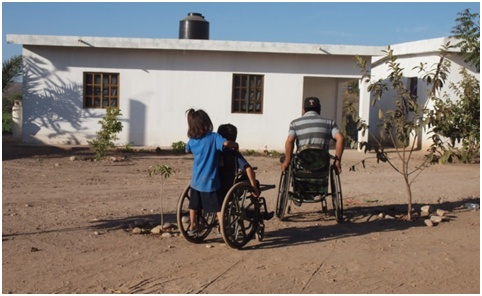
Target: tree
[(400, 126), (457, 120), (166, 172), (11, 69), (467, 30)]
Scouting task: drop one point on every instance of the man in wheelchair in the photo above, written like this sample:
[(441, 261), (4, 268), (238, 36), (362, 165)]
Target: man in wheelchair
[(312, 135), (313, 130)]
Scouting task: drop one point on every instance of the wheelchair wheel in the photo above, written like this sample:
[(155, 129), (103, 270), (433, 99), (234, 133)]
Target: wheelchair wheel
[(336, 195), (284, 187), (206, 221), (240, 212)]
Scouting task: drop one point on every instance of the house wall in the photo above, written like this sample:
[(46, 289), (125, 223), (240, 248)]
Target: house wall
[(409, 62), (158, 86)]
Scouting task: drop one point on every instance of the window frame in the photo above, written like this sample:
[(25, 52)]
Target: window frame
[(247, 95), (101, 93)]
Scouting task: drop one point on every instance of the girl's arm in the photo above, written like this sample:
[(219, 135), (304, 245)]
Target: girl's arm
[(231, 145)]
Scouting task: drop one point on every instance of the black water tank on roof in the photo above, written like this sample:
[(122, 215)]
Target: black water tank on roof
[(194, 26)]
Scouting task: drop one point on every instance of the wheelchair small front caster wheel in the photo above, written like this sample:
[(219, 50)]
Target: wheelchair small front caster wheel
[(260, 233)]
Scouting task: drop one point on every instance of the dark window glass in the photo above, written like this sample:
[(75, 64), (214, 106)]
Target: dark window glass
[(247, 94), (101, 90)]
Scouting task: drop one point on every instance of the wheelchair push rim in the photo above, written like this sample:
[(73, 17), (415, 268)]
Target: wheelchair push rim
[(283, 193), (336, 195)]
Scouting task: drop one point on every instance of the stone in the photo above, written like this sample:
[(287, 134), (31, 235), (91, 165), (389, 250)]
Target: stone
[(426, 208), (137, 230), (185, 219), (166, 234), (73, 158), (441, 213), (428, 222), (436, 219), (157, 230)]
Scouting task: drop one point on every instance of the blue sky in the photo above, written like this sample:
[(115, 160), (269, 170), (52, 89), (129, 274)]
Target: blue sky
[(356, 23)]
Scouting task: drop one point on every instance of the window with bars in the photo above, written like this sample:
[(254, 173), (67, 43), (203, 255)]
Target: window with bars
[(101, 90), (247, 94)]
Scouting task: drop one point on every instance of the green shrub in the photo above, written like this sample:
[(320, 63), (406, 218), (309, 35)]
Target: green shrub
[(110, 127), (127, 148), (179, 147), (273, 153), (249, 152), (7, 122)]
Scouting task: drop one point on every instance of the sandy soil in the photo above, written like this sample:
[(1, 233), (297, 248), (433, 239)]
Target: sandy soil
[(65, 229)]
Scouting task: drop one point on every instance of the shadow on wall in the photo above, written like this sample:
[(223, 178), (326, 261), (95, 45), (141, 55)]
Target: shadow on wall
[(52, 104)]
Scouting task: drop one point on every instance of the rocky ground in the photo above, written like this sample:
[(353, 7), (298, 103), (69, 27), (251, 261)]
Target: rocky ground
[(68, 226)]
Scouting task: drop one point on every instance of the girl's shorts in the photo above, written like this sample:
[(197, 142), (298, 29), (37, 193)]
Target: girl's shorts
[(208, 201)]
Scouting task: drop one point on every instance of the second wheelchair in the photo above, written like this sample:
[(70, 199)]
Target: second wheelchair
[(243, 216), (310, 178)]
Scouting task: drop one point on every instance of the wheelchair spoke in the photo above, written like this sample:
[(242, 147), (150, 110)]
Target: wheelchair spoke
[(206, 221), (240, 216)]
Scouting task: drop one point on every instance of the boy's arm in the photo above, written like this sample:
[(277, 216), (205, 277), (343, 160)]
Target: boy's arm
[(244, 164), (252, 180)]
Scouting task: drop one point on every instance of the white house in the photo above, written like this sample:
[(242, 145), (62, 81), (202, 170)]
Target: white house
[(257, 86), (410, 55)]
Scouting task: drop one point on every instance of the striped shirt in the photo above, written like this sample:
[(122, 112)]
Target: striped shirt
[(312, 129)]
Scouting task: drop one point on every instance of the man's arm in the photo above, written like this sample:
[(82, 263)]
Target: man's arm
[(289, 146), (339, 148)]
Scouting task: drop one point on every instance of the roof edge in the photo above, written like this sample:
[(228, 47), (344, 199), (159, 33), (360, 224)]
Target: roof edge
[(191, 44)]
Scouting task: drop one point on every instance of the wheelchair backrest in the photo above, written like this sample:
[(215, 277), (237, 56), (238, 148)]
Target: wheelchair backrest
[(312, 158), (229, 171), (311, 171)]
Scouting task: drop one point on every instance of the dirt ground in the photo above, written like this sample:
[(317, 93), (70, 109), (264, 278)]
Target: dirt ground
[(66, 228)]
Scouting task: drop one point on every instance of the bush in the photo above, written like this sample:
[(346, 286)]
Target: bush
[(110, 126), (179, 147), (7, 123)]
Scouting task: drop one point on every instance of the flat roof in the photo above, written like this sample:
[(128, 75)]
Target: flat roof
[(198, 45)]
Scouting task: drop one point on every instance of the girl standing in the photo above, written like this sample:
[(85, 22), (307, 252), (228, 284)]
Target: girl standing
[(206, 146)]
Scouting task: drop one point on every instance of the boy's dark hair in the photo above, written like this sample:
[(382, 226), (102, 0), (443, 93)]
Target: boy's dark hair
[(199, 124), (228, 131)]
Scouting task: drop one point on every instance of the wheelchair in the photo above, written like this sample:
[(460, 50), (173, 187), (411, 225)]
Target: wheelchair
[(242, 215), (310, 178)]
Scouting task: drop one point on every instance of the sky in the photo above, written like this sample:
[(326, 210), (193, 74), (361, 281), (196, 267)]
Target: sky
[(342, 23)]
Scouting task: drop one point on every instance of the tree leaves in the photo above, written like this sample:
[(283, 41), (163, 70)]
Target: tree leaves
[(11, 69)]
